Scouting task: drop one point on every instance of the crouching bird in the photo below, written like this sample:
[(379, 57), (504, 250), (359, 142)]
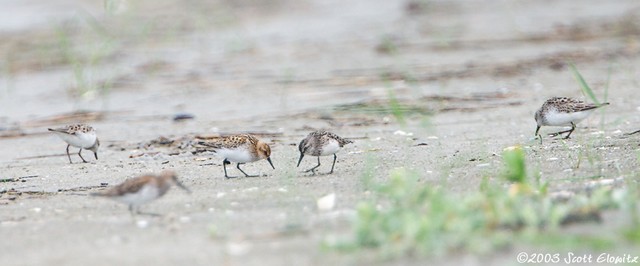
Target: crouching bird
[(239, 149), (321, 143), (80, 136), (563, 111), (142, 189)]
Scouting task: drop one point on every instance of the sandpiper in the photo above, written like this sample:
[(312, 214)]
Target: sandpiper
[(142, 189), (321, 143), (239, 149), (80, 136), (563, 111)]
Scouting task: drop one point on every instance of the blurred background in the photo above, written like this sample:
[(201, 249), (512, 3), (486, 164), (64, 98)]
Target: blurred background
[(242, 59)]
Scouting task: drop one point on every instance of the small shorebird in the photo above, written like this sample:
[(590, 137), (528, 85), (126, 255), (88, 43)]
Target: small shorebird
[(563, 111), (142, 189), (321, 143), (80, 136), (239, 149)]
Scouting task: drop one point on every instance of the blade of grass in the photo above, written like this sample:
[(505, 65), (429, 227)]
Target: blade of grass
[(583, 84), (606, 94), (606, 85), (396, 108)]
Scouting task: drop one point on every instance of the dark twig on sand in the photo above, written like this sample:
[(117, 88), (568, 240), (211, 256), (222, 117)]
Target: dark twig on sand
[(634, 132)]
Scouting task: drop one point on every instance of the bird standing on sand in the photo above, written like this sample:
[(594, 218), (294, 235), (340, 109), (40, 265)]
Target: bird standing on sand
[(563, 111), (321, 143), (81, 136), (239, 149)]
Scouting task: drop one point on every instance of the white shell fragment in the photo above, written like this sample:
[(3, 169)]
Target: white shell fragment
[(327, 202)]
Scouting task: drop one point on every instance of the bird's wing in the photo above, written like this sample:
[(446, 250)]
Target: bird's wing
[(129, 186)]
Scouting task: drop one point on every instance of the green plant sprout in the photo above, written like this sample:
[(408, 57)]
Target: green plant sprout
[(409, 217)]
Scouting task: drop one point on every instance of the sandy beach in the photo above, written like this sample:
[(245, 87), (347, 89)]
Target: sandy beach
[(469, 76)]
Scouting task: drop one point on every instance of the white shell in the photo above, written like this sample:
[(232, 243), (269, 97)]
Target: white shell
[(326, 203)]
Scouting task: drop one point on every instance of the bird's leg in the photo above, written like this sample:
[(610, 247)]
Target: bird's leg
[(224, 166), (245, 174), (80, 154), (69, 155), (560, 132), (335, 157), (313, 170), (538, 135), (573, 127)]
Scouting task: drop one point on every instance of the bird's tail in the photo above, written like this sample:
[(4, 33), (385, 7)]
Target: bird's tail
[(207, 144), (593, 106), (204, 146), (345, 142)]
